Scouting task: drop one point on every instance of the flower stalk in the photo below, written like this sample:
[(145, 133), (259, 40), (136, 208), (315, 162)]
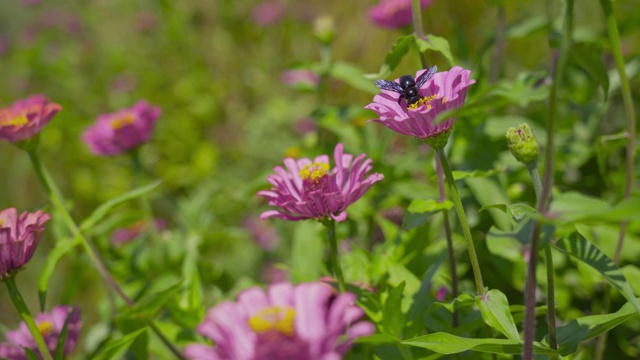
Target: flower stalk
[(335, 261), (25, 314)]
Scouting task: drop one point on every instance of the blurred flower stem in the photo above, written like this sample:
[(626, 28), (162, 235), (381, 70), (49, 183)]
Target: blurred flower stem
[(58, 201), (547, 182), (18, 301), (335, 261), (453, 192), (145, 203), (616, 49), (416, 13)]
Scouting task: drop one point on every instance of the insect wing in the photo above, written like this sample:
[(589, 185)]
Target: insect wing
[(388, 85), (425, 76)]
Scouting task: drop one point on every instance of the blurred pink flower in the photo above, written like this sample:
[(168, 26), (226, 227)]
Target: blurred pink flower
[(19, 238), (50, 326), (118, 132), (308, 321), (441, 295), (300, 76), (272, 274), (262, 232), (267, 13), (126, 234), (4, 46), (25, 118), (312, 190), (445, 91), (305, 126), (146, 21), (123, 83), (394, 14)]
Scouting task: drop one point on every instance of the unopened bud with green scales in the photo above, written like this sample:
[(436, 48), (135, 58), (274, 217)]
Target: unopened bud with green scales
[(523, 144)]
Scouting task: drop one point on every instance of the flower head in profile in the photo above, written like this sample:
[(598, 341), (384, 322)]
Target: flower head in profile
[(118, 132), (50, 325), (393, 14), (307, 321), (19, 238), (25, 118), (313, 190), (446, 90)]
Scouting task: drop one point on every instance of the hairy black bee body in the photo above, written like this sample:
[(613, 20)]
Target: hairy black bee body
[(408, 87)]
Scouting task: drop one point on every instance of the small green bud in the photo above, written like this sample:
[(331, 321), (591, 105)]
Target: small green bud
[(522, 144), (324, 29)]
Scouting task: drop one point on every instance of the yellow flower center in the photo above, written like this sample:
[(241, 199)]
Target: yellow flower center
[(314, 172), (1, 222), (121, 122), (14, 121), (425, 100), (45, 328), (275, 318)]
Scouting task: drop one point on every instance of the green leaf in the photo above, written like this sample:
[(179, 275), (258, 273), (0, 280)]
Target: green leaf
[(101, 211), (588, 55), (584, 328), (437, 44), (378, 339), (352, 75), (494, 307), (463, 300), (308, 251), (522, 90), (419, 210), (393, 58), (393, 319), (59, 251), (573, 207), (59, 355), (445, 343), (114, 349), (31, 355), (579, 248), (459, 174), (147, 308), (527, 27)]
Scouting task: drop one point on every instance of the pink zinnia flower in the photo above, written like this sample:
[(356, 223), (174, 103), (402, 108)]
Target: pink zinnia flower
[(262, 232), (300, 76), (267, 13), (312, 190), (50, 326), (394, 14), (444, 91), (25, 118), (19, 238), (121, 131), (308, 321)]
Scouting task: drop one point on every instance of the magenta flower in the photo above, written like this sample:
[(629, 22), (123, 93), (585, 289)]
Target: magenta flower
[(262, 232), (311, 190), (118, 132), (19, 238), (445, 91), (300, 77), (50, 326), (25, 118), (394, 14), (308, 321), (267, 13)]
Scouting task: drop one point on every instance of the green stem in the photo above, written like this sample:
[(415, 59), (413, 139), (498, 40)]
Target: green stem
[(335, 262), (58, 202), (551, 303), (418, 30), (18, 301), (453, 191), (145, 203), (616, 48), (547, 182)]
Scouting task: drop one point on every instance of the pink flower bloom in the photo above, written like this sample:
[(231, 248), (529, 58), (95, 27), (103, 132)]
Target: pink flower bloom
[(300, 76), (118, 132), (311, 190), (445, 91), (267, 13), (441, 295), (308, 321), (25, 118), (50, 326), (5, 44), (305, 126), (19, 238), (394, 14), (262, 232)]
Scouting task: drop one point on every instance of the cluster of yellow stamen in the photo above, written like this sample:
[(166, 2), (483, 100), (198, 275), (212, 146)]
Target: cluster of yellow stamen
[(425, 100), (1, 222), (275, 318), (122, 122), (314, 172), (7, 120), (45, 328)]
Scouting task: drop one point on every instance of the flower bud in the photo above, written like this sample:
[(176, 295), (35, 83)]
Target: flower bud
[(522, 144), (324, 29)]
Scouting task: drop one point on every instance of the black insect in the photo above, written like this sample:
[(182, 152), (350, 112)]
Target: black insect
[(408, 86)]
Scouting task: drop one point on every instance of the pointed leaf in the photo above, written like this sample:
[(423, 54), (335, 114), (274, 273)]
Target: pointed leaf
[(114, 349), (494, 307), (393, 319), (393, 58), (419, 210), (59, 355), (438, 44), (352, 75), (445, 343), (59, 251)]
